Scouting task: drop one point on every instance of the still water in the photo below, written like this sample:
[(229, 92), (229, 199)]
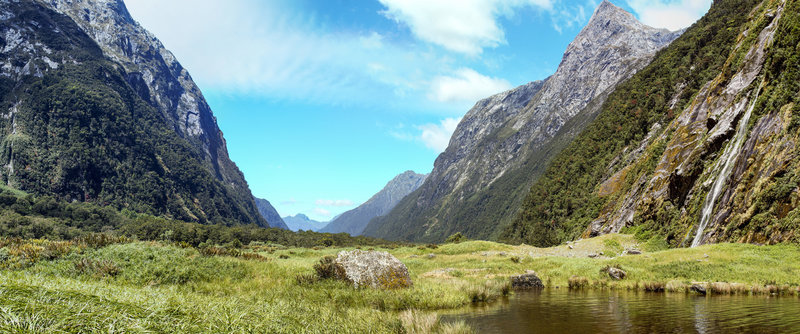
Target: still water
[(564, 311)]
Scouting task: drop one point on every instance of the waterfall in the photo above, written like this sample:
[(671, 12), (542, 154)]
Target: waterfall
[(728, 158)]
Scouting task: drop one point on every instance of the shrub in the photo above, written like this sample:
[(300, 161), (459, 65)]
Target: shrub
[(96, 268), (326, 268), (283, 256), (653, 286), (456, 238)]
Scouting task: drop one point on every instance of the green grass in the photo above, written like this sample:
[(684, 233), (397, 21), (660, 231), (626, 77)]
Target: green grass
[(163, 288)]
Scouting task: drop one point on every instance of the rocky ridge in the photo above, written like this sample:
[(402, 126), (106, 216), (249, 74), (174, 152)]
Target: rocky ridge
[(499, 133), (302, 222), (354, 221)]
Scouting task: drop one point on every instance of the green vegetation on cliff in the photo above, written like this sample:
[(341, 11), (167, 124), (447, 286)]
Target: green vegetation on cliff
[(80, 132), (565, 200)]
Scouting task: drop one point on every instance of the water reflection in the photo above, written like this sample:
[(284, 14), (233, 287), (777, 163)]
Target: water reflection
[(564, 311)]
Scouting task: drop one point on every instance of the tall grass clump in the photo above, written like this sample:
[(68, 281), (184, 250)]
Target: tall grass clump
[(418, 322), (577, 282), (488, 290)]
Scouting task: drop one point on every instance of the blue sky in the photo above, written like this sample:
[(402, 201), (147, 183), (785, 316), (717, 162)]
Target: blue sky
[(323, 102)]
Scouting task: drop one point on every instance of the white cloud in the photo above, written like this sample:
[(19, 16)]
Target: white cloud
[(466, 86), (465, 26), (673, 15), (322, 212), (270, 49), (437, 136), (338, 202), (290, 201)]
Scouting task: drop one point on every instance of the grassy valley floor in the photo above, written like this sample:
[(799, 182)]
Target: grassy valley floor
[(51, 286)]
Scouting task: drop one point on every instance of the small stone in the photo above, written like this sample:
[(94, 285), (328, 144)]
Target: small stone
[(634, 251), (601, 253), (430, 256), (569, 246), (705, 255), (502, 253), (528, 280), (592, 255)]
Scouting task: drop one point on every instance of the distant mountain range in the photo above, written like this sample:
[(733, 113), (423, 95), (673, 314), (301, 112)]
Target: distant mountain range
[(355, 220), (269, 213), (302, 222)]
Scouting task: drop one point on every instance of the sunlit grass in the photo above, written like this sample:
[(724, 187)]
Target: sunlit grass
[(163, 288)]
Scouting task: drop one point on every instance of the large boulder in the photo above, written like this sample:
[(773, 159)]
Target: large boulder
[(372, 269), (528, 280)]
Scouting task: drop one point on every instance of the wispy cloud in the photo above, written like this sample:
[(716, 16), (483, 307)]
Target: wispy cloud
[(322, 212), (673, 15), (465, 26), (337, 202), (437, 136), (290, 201), (466, 85)]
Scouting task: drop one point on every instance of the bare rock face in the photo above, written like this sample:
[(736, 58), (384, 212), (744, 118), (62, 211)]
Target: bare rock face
[(373, 269)]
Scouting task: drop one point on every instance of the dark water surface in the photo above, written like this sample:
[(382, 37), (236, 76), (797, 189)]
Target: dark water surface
[(564, 311)]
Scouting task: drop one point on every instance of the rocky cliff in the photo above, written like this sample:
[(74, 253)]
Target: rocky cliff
[(88, 122), (354, 221), (269, 213), (506, 134), (699, 147)]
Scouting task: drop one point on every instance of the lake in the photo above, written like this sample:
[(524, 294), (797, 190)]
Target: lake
[(606, 311)]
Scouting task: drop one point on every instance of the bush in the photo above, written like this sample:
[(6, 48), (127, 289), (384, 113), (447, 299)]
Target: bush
[(456, 238), (327, 268)]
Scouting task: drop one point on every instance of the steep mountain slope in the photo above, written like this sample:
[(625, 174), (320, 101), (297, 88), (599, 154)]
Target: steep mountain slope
[(503, 142), (269, 213), (354, 221), (302, 222), (698, 147), (75, 128)]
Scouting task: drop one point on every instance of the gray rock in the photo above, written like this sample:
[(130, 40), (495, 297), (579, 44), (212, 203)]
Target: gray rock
[(528, 280), (615, 273), (430, 256), (372, 269), (634, 252), (592, 255), (699, 288)]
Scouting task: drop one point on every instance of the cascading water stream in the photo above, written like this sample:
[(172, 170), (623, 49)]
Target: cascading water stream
[(729, 159)]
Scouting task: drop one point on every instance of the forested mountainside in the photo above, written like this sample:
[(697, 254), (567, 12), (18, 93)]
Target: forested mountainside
[(269, 213), (503, 143), (75, 126), (699, 147), (354, 221)]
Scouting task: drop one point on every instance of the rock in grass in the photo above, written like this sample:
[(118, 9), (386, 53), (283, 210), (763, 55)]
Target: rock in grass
[(634, 251), (699, 288), (372, 269), (528, 280), (615, 273)]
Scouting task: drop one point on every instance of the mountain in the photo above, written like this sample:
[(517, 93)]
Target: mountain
[(302, 222), (354, 221), (269, 213), (92, 108), (503, 143), (699, 147)]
